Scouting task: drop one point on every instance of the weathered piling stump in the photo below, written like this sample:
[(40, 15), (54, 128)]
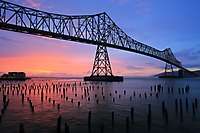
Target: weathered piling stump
[(179, 90), (2, 111), (186, 104), (79, 104), (4, 99), (102, 128), (21, 128), (32, 109), (134, 94), (196, 103), (97, 101), (0, 119), (145, 95), (193, 109), (113, 99), (163, 107), (127, 125), (176, 106), (49, 100), (22, 98), (67, 128), (149, 117), (89, 121), (132, 115), (124, 92), (59, 124), (157, 95), (42, 97), (113, 119), (166, 116), (130, 98), (181, 110), (58, 107)]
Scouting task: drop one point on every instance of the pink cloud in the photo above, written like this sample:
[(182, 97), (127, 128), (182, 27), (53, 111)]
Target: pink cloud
[(33, 3)]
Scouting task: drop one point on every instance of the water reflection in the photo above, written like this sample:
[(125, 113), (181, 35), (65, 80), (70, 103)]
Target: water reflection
[(140, 105)]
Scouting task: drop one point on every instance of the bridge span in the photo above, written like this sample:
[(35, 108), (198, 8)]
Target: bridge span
[(98, 29)]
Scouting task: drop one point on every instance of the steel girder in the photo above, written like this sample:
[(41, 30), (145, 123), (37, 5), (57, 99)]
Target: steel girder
[(102, 64), (98, 29)]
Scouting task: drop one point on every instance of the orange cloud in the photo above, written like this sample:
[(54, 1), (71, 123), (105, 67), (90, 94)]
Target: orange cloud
[(58, 65), (45, 65)]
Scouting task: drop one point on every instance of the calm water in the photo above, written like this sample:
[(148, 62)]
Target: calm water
[(101, 99)]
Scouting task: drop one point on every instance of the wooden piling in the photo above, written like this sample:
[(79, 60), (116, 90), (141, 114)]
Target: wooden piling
[(166, 116), (4, 99), (176, 106), (149, 117), (113, 119), (22, 98), (32, 109), (66, 128), (132, 115), (21, 128), (102, 128), (89, 121), (196, 103), (181, 110), (58, 106), (113, 99), (193, 109), (0, 119), (79, 104), (127, 125), (186, 104), (59, 124), (163, 107), (124, 92)]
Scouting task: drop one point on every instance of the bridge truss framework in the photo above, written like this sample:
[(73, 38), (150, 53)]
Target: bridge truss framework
[(98, 29)]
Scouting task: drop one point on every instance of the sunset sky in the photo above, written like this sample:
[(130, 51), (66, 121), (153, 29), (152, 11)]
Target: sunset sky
[(161, 24)]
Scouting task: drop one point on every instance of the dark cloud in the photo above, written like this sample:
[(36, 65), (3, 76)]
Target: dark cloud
[(193, 65), (189, 54), (190, 57)]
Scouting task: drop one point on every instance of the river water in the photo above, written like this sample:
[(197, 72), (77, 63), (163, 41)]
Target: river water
[(115, 107)]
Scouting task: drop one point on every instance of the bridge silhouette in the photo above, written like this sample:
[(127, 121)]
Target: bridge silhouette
[(98, 29)]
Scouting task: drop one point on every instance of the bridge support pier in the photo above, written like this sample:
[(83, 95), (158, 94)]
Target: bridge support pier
[(169, 72), (102, 68), (180, 73)]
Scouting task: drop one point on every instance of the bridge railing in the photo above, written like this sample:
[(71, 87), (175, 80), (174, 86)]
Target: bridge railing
[(98, 28)]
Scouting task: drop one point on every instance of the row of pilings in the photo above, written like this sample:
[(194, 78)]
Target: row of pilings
[(86, 93)]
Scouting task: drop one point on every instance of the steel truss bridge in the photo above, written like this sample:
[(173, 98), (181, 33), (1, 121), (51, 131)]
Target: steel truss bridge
[(98, 29)]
